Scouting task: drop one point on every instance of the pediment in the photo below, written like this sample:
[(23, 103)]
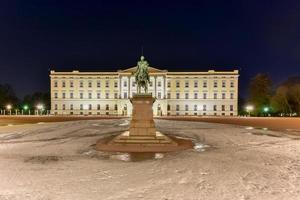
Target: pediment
[(150, 70)]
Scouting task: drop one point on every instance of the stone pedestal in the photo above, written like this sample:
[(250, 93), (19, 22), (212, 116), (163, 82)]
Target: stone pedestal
[(142, 123), (142, 135)]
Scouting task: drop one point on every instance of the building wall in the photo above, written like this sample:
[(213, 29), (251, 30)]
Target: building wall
[(176, 93)]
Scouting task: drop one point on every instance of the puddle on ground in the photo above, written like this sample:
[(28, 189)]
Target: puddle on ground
[(199, 147), (136, 157)]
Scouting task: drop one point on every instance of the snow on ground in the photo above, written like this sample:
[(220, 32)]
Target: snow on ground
[(56, 161)]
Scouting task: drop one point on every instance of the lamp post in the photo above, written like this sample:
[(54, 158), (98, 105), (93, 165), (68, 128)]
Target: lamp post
[(9, 107), (249, 109), (25, 108), (266, 110), (40, 108)]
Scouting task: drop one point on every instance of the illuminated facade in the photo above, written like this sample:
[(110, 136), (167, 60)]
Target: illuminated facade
[(177, 93)]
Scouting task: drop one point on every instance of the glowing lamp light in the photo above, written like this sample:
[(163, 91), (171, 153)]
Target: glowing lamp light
[(249, 108), (40, 107), (8, 107), (266, 109), (25, 107)]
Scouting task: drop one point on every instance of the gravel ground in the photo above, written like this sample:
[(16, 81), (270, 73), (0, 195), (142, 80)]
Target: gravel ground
[(55, 161)]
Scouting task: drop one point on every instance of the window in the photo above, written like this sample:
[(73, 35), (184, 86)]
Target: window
[(98, 106), (231, 84), (90, 106), (231, 95), (98, 84), (223, 107), (215, 108), (55, 84), (125, 95), (71, 84), (81, 106), (204, 96), (116, 107), (159, 95), (55, 107), (231, 107), (177, 95), (195, 95), (125, 83), (150, 83), (223, 95), (195, 84), (106, 107), (177, 107), (168, 107), (81, 95), (205, 84), (186, 107), (116, 84), (55, 95), (90, 84), (64, 106), (63, 84), (169, 95), (106, 95), (169, 84), (204, 107), (133, 83), (177, 84), (116, 95), (98, 95), (107, 83), (195, 107), (215, 84), (63, 95), (186, 95), (71, 106), (81, 84), (186, 84), (159, 83), (215, 95), (71, 95), (223, 84), (90, 95)]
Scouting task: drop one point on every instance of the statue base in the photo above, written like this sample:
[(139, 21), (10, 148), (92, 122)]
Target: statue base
[(142, 135)]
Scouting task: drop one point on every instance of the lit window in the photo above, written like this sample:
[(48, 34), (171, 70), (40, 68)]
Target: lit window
[(195, 84), (186, 84), (186, 95)]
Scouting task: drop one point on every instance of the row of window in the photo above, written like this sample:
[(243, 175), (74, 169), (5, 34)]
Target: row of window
[(159, 84), (159, 95), (86, 107), (204, 108)]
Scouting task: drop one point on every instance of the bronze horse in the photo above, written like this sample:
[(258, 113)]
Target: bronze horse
[(141, 75)]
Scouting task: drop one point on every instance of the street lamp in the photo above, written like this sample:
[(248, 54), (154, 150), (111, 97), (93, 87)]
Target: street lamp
[(25, 107), (266, 110), (40, 108), (249, 109), (9, 107)]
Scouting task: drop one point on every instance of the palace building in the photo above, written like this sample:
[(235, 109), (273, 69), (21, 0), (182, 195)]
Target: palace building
[(177, 93)]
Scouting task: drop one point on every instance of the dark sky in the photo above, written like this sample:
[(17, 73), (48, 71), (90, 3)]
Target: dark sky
[(254, 36)]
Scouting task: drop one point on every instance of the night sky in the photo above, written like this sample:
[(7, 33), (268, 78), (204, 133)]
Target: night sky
[(253, 36)]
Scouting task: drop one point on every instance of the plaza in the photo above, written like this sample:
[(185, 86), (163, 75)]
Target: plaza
[(57, 160)]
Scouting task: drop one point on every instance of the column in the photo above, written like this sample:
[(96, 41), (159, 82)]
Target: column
[(155, 77), (120, 85), (165, 86), (129, 85)]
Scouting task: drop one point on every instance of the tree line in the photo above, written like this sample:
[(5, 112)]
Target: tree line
[(276, 100), (9, 97)]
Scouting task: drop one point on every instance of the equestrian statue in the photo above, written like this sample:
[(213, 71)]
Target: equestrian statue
[(142, 76)]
